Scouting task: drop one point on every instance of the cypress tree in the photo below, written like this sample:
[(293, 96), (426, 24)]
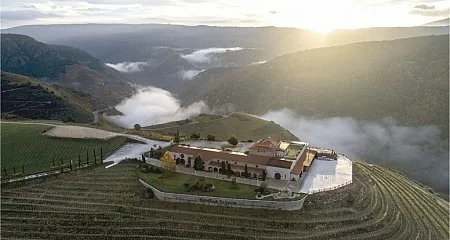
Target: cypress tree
[(79, 161), (222, 168), (23, 169), (6, 171), (101, 154), (14, 170), (70, 164), (246, 171), (87, 157), (95, 158), (62, 163), (53, 162)]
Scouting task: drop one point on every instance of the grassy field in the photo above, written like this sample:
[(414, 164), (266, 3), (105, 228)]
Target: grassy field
[(175, 183), (101, 203), (241, 125), (25, 145)]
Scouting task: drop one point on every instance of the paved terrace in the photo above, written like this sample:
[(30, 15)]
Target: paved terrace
[(324, 175)]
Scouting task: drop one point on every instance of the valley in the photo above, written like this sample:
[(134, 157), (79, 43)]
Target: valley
[(180, 130)]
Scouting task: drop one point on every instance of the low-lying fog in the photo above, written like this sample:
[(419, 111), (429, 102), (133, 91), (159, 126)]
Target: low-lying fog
[(417, 151), (151, 106)]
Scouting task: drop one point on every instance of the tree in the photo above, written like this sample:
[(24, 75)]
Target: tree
[(210, 137), (177, 139), (143, 158), (229, 171), (87, 157), (263, 175), (198, 163), (222, 168), (233, 141), (245, 171), (95, 158), (168, 163), (137, 127), (195, 136), (152, 152), (101, 154)]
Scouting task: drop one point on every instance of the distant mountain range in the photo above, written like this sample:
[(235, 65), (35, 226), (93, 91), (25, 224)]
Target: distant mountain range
[(442, 22), (64, 66), (406, 79), (158, 50), (346, 36)]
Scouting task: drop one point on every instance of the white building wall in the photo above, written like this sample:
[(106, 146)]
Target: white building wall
[(284, 172)]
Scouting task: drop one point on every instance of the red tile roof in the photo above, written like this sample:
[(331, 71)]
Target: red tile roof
[(267, 144), (208, 155), (305, 160)]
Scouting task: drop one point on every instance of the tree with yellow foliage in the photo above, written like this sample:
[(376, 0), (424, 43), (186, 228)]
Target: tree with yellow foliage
[(168, 163)]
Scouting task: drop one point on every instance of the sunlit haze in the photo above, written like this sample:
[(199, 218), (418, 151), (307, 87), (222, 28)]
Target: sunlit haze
[(321, 15)]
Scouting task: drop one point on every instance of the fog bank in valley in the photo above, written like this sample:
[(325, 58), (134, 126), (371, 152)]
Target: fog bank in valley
[(206, 55), (128, 66), (151, 106), (419, 152)]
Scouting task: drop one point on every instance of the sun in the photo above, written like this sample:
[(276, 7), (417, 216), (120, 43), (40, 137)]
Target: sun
[(322, 16)]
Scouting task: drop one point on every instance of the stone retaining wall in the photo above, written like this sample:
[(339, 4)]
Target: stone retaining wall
[(233, 202)]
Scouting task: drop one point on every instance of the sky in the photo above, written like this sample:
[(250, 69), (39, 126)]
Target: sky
[(316, 15)]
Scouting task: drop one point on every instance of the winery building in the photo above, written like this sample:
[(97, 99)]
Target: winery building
[(279, 160)]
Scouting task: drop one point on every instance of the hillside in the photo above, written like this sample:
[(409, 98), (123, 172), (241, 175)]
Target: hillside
[(346, 36), (241, 125), (24, 97), (442, 22), (64, 66), (406, 79), (44, 152), (156, 53), (379, 204)]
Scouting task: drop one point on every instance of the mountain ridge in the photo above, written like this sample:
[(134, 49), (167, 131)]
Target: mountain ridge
[(63, 65)]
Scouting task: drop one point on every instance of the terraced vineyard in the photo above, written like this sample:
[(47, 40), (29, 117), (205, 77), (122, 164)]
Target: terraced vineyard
[(109, 203)]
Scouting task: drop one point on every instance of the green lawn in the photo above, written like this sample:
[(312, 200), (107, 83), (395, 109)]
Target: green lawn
[(25, 145), (175, 183)]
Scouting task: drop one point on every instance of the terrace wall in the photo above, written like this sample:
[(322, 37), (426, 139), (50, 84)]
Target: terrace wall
[(232, 202)]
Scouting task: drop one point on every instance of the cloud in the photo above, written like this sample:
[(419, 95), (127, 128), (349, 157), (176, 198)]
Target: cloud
[(128, 66), (189, 74), (424, 7), (206, 55), (417, 151), (151, 106), (22, 15), (431, 13)]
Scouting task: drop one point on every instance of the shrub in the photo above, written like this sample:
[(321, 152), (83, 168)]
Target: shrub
[(210, 137), (233, 141), (186, 187)]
